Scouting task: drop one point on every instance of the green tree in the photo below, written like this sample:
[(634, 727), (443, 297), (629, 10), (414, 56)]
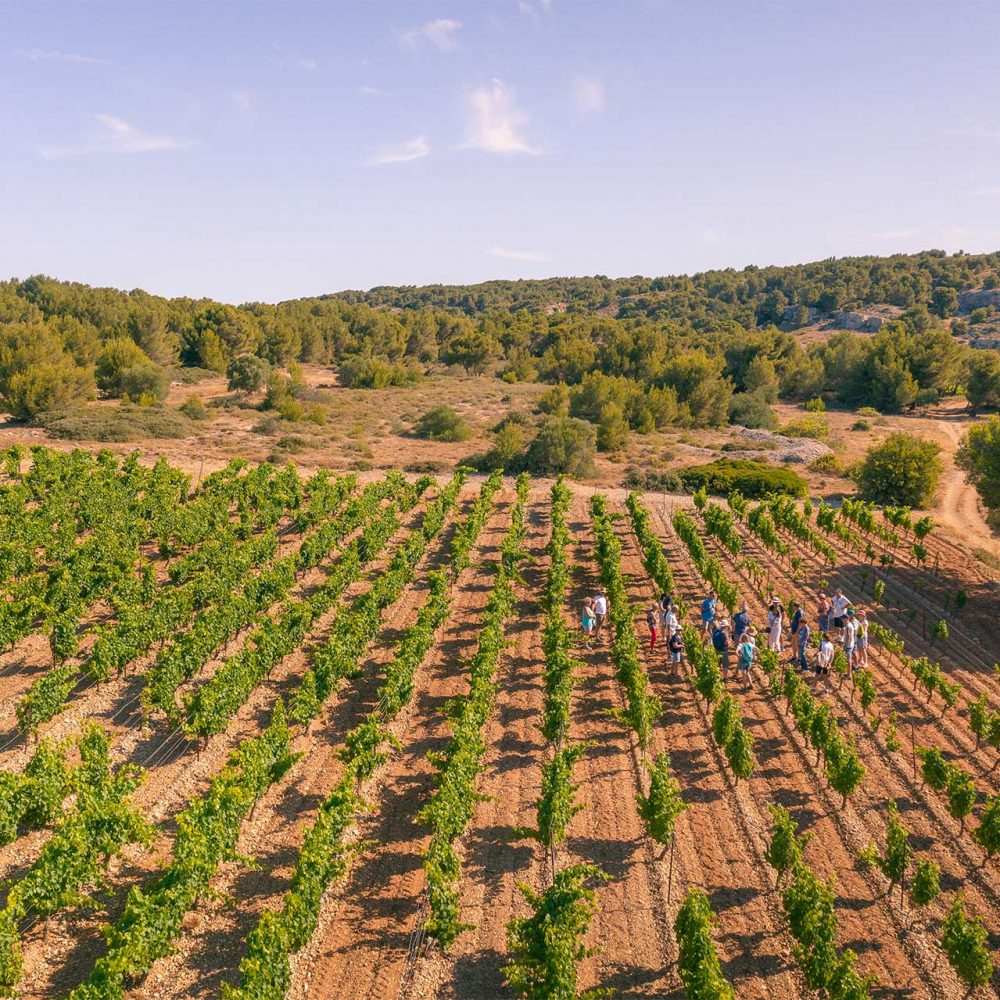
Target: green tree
[(612, 429), (118, 354), (442, 423), (945, 301), (247, 373), (902, 470), (473, 350), (563, 446), (982, 379), (555, 400)]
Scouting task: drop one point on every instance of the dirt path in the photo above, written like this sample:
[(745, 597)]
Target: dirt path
[(958, 503)]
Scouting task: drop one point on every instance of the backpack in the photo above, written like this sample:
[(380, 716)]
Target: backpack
[(746, 653), (719, 640)]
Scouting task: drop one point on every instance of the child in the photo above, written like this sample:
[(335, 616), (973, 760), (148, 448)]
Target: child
[(745, 653)]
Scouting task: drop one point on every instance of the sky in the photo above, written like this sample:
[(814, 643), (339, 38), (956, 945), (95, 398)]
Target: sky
[(259, 151)]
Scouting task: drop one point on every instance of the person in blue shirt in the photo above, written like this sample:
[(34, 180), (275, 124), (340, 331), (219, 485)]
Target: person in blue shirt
[(802, 638), (741, 622), (708, 612)]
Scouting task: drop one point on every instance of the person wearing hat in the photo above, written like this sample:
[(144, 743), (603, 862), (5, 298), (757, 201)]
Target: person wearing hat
[(850, 640), (722, 643)]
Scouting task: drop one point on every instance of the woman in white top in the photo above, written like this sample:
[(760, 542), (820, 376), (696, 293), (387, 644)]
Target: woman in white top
[(861, 651), (775, 618)]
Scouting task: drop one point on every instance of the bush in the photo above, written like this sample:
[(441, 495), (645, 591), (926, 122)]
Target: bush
[(979, 456), (247, 373), (119, 423), (751, 409), (375, 373), (827, 465), (903, 470), (40, 388), (813, 426), (652, 482), (292, 443), (867, 411), (119, 354), (442, 423), (555, 400), (144, 382), (194, 409), (754, 480), (861, 425), (816, 405), (563, 446)]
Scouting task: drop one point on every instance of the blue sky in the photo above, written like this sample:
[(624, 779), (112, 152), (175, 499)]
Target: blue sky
[(264, 150)]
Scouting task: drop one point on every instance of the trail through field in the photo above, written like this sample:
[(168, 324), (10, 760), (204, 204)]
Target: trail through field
[(959, 507)]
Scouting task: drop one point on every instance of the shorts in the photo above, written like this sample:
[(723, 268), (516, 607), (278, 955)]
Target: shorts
[(840, 622), (849, 649), (707, 619), (723, 658), (744, 666), (675, 655), (824, 623), (599, 620), (863, 642)]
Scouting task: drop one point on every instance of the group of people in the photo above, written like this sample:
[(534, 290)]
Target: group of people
[(837, 621)]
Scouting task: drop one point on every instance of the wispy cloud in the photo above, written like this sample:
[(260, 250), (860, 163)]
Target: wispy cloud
[(47, 55), (292, 60), (534, 256), (987, 191), (440, 33), (241, 101), (589, 97), (494, 122), (116, 136), (412, 149)]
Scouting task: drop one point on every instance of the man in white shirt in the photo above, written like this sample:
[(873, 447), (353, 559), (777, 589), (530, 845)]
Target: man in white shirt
[(824, 658), (838, 607), (600, 613)]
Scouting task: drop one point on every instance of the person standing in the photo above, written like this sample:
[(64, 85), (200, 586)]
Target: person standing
[(824, 658), (838, 608), (741, 623), (745, 653), (862, 649), (801, 647), (708, 612), (775, 619), (722, 644), (676, 646), (587, 619), (600, 613), (666, 606), (797, 615), (823, 614), (850, 640), (652, 622)]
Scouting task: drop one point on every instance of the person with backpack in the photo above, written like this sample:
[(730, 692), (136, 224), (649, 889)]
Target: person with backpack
[(676, 646), (745, 653), (721, 643), (652, 621)]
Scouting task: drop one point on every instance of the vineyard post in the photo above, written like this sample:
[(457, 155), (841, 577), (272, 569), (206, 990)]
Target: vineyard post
[(913, 745), (670, 872)]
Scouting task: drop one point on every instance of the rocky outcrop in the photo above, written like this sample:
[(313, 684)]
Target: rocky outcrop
[(978, 299)]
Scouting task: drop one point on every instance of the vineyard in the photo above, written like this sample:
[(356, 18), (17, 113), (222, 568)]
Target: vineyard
[(271, 735)]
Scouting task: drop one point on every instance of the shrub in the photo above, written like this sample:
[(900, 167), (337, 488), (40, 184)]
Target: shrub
[(375, 373), (979, 456), (120, 423), (292, 443), (40, 388), (442, 423), (247, 373), (555, 400), (816, 405), (194, 409), (813, 426), (867, 411), (861, 425), (751, 409), (753, 479), (827, 465), (119, 354), (652, 482), (612, 428), (902, 470), (144, 382), (563, 446)]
